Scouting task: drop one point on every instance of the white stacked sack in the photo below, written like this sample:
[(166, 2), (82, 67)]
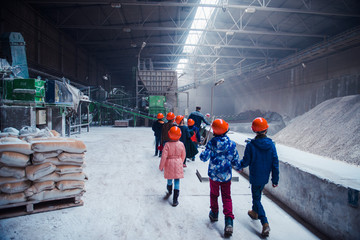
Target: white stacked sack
[(40, 169), (14, 158), (57, 168)]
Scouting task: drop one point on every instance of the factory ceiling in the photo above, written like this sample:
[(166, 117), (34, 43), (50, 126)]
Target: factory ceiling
[(240, 34)]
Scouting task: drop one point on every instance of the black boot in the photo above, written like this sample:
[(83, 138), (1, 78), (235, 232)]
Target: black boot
[(214, 217), (228, 227), (175, 197), (169, 188)]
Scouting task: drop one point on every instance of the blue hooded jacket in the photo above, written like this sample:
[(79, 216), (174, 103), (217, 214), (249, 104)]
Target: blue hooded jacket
[(261, 157), (223, 155)]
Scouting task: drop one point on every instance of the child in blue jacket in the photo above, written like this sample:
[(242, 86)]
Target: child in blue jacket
[(261, 157), (223, 156)]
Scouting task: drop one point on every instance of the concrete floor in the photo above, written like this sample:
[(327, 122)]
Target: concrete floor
[(124, 199)]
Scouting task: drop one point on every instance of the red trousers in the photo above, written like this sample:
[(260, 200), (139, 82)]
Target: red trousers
[(225, 196)]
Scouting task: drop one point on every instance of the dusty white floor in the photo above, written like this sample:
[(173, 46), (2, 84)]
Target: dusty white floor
[(124, 200)]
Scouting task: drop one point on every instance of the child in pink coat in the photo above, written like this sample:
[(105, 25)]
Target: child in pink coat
[(172, 158)]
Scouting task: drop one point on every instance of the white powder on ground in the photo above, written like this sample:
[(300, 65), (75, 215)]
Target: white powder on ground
[(331, 129)]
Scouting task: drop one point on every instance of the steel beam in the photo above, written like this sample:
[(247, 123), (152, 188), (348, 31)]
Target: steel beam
[(188, 56), (197, 45), (193, 5), (143, 28)]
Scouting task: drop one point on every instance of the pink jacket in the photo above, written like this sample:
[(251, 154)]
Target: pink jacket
[(172, 158)]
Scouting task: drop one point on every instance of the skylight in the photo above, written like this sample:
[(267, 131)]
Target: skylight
[(201, 19), (181, 65)]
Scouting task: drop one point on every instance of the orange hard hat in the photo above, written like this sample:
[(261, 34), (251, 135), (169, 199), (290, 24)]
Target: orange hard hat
[(174, 133), (160, 116), (259, 124), (190, 122), (219, 126), (178, 119), (170, 116)]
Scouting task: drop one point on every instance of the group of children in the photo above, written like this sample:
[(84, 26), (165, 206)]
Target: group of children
[(190, 136), (260, 155)]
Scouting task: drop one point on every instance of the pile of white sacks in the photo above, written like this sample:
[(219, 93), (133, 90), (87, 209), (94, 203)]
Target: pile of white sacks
[(40, 168)]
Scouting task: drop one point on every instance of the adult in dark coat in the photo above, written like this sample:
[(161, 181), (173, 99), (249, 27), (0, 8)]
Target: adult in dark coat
[(198, 118)]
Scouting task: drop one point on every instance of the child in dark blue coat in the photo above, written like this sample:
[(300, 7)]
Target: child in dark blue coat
[(261, 157), (194, 131), (157, 127), (190, 147)]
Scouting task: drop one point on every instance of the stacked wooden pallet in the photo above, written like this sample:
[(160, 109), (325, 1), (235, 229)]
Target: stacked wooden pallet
[(40, 170)]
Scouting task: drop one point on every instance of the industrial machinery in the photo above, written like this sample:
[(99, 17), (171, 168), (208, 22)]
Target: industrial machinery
[(55, 103), (157, 87), (157, 104), (33, 102)]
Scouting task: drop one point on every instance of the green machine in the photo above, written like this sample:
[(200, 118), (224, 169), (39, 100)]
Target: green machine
[(157, 105), (20, 90)]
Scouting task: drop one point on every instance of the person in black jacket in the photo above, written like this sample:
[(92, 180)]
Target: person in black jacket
[(157, 127)]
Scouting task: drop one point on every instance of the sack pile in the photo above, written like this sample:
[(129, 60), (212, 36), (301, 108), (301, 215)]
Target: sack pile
[(40, 168)]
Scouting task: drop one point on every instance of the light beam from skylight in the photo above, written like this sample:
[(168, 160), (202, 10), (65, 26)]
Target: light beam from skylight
[(200, 21)]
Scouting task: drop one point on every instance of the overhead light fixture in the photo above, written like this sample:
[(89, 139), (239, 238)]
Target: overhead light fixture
[(217, 47), (105, 77), (221, 81), (142, 46), (133, 45), (250, 10), (224, 5), (126, 29), (303, 65), (229, 33), (267, 76), (116, 5)]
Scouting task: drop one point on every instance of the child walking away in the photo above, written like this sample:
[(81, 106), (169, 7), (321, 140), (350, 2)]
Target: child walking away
[(172, 163), (261, 157), (194, 131), (170, 117), (157, 127), (190, 148), (223, 156), (194, 136)]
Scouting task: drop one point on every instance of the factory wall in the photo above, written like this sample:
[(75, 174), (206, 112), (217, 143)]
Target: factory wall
[(223, 102), (47, 48), (294, 91), (290, 92)]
